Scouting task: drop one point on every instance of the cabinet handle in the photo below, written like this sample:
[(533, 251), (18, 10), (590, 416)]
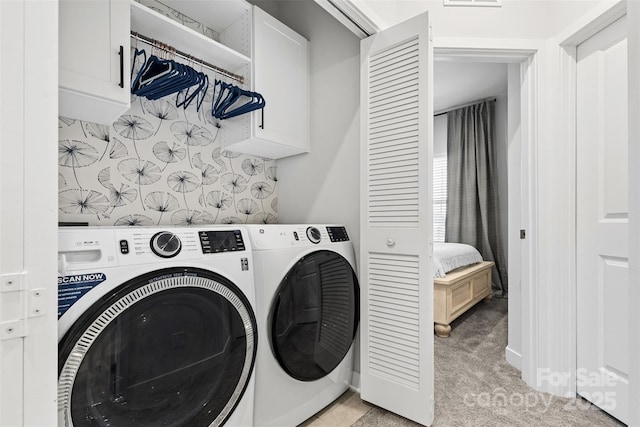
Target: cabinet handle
[(262, 125), (121, 53)]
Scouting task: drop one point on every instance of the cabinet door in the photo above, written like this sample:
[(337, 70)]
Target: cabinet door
[(280, 74), (94, 75)]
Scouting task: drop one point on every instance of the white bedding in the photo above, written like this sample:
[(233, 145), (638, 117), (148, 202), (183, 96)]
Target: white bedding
[(449, 256)]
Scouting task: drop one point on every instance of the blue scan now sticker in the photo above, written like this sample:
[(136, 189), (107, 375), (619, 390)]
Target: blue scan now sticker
[(72, 288)]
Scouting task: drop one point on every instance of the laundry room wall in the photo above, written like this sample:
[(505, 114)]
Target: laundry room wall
[(159, 164), (323, 186)]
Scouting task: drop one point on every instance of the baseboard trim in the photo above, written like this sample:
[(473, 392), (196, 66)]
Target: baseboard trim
[(355, 382), (513, 358)]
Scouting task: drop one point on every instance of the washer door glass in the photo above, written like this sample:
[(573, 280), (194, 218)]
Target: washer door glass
[(315, 315), (172, 348)]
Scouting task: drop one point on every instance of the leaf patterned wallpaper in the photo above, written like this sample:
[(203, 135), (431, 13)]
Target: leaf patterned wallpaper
[(159, 164)]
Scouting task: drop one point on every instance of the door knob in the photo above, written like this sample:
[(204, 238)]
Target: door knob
[(391, 241)]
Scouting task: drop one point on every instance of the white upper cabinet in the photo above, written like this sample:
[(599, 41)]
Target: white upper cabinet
[(265, 55), (94, 60), (280, 73)]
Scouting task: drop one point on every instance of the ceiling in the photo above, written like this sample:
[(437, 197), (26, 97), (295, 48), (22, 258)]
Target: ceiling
[(515, 19), (459, 83)]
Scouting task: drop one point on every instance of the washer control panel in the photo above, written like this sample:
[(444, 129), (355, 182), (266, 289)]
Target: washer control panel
[(214, 241), (338, 234)]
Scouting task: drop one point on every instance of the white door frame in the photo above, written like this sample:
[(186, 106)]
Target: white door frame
[(523, 308)]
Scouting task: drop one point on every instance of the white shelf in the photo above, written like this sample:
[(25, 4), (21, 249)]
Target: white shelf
[(152, 24), (217, 15)]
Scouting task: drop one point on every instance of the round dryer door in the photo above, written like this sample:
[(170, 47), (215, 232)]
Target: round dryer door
[(315, 315), (175, 347)]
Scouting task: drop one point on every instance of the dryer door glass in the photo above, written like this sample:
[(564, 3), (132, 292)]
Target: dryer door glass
[(174, 348), (315, 315)]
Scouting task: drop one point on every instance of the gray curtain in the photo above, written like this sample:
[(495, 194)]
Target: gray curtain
[(473, 215)]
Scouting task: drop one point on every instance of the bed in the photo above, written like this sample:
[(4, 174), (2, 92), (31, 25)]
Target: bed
[(461, 280)]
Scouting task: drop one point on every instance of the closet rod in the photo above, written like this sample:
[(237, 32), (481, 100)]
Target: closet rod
[(162, 46), (469, 104)]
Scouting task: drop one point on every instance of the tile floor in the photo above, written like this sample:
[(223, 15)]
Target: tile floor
[(344, 411)]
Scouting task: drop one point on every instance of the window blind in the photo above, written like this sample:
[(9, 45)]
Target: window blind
[(439, 197)]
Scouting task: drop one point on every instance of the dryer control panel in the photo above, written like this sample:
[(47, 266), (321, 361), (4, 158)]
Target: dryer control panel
[(214, 241), (338, 234), (284, 236)]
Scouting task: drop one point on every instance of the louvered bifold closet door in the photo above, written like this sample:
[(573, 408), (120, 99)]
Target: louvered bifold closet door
[(396, 228)]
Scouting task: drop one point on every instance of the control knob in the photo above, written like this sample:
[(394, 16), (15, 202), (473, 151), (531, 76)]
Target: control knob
[(165, 244), (314, 235)]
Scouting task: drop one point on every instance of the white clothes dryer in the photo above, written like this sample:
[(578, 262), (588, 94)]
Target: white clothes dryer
[(307, 306), (156, 327)]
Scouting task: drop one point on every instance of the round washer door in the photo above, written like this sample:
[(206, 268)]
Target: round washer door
[(175, 347), (315, 315)]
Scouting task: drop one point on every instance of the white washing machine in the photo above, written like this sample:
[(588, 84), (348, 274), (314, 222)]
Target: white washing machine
[(156, 327), (307, 306)]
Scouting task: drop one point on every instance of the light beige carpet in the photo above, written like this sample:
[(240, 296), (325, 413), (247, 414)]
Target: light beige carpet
[(475, 386)]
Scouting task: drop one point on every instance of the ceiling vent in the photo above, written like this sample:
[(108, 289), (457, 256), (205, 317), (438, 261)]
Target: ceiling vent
[(474, 3)]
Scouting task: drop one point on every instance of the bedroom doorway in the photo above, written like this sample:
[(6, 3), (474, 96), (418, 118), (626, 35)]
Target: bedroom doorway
[(513, 156), (470, 95)]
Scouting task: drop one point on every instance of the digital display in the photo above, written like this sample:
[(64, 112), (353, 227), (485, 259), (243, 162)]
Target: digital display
[(338, 234), (221, 241)]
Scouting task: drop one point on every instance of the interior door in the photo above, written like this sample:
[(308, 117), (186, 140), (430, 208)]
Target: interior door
[(603, 221), (396, 220)]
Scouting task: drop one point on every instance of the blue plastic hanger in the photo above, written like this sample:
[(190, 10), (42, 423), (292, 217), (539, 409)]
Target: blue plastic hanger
[(229, 95), (256, 102)]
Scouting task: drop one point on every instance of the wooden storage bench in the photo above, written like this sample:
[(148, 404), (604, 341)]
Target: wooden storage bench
[(457, 292)]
